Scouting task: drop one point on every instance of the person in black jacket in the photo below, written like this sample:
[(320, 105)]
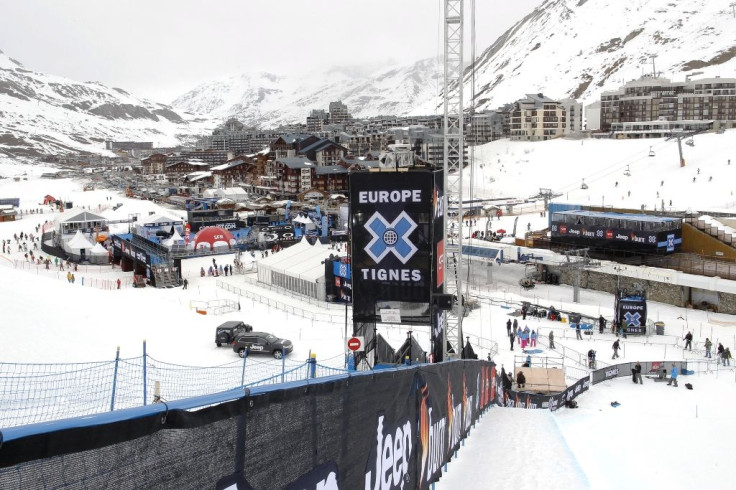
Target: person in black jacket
[(688, 341), (636, 373), (601, 324), (615, 349), (520, 379)]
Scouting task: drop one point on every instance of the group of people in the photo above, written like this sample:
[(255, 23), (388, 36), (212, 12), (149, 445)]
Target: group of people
[(723, 354), (524, 337)]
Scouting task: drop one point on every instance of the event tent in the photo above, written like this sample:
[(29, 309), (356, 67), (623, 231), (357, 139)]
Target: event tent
[(299, 268)]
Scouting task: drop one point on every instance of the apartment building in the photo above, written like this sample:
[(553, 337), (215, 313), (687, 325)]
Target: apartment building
[(538, 118), (651, 99)]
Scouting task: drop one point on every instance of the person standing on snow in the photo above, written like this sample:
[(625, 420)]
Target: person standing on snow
[(534, 338), (511, 339), (708, 345), (616, 346), (688, 341), (508, 326), (727, 356), (551, 339), (673, 375), (719, 351), (636, 373), (578, 333)]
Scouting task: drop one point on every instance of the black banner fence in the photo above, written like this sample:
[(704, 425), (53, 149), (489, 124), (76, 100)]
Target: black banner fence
[(387, 429)]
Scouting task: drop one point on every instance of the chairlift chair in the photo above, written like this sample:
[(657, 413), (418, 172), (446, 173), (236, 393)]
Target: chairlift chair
[(651, 152), (690, 142), (584, 185), (627, 172)]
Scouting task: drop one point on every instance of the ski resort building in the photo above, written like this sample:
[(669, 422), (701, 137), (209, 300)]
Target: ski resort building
[(539, 118), (710, 100)]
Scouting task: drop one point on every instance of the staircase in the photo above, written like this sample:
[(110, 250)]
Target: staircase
[(166, 276), (714, 228)]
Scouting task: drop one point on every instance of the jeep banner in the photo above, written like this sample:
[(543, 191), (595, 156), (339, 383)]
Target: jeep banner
[(391, 221)]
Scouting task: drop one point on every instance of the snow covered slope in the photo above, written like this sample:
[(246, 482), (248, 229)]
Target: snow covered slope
[(46, 114)]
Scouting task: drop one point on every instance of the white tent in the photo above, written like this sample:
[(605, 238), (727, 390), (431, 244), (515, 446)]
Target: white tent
[(175, 239), (98, 249), (299, 268), (78, 242)]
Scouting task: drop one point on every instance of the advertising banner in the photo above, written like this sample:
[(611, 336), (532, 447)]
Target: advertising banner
[(667, 241), (391, 220)]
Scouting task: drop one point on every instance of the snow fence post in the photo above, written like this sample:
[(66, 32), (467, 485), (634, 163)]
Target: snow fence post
[(114, 379), (242, 375), (283, 363), (145, 376), (312, 365)]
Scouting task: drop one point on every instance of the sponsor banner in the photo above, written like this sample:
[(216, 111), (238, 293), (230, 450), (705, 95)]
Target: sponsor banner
[(277, 234), (125, 248), (651, 369), (666, 241), (522, 399), (229, 225), (341, 269), (391, 219)]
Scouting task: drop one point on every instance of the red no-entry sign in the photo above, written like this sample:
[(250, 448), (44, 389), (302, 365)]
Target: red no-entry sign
[(356, 344)]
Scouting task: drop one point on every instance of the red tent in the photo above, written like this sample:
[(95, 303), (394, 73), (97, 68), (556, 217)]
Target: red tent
[(213, 237)]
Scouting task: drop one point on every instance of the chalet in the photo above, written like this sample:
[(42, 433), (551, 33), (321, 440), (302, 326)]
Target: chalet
[(330, 178), (232, 172), (291, 175), (154, 164), (290, 145), (324, 152), (182, 168)]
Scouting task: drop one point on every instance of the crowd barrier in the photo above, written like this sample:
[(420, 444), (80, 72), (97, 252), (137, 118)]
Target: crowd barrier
[(387, 429), (390, 429)]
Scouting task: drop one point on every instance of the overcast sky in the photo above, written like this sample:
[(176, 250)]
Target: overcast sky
[(162, 48)]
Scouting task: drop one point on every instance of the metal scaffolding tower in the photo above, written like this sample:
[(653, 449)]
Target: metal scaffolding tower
[(453, 173)]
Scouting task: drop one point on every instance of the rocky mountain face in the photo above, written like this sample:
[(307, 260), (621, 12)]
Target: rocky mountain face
[(564, 48), (45, 114)]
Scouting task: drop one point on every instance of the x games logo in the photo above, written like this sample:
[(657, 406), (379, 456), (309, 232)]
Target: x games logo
[(390, 237)]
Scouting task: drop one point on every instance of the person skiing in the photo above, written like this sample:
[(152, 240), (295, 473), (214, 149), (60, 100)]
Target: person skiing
[(688, 341), (616, 346), (708, 345), (636, 373), (551, 339), (673, 375)]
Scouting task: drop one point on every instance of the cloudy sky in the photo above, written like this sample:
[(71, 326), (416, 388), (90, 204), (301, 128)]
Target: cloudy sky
[(162, 48)]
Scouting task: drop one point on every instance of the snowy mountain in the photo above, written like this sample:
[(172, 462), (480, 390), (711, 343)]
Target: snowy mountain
[(579, 48), (564, 48), (267, 100), (46, 114)]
